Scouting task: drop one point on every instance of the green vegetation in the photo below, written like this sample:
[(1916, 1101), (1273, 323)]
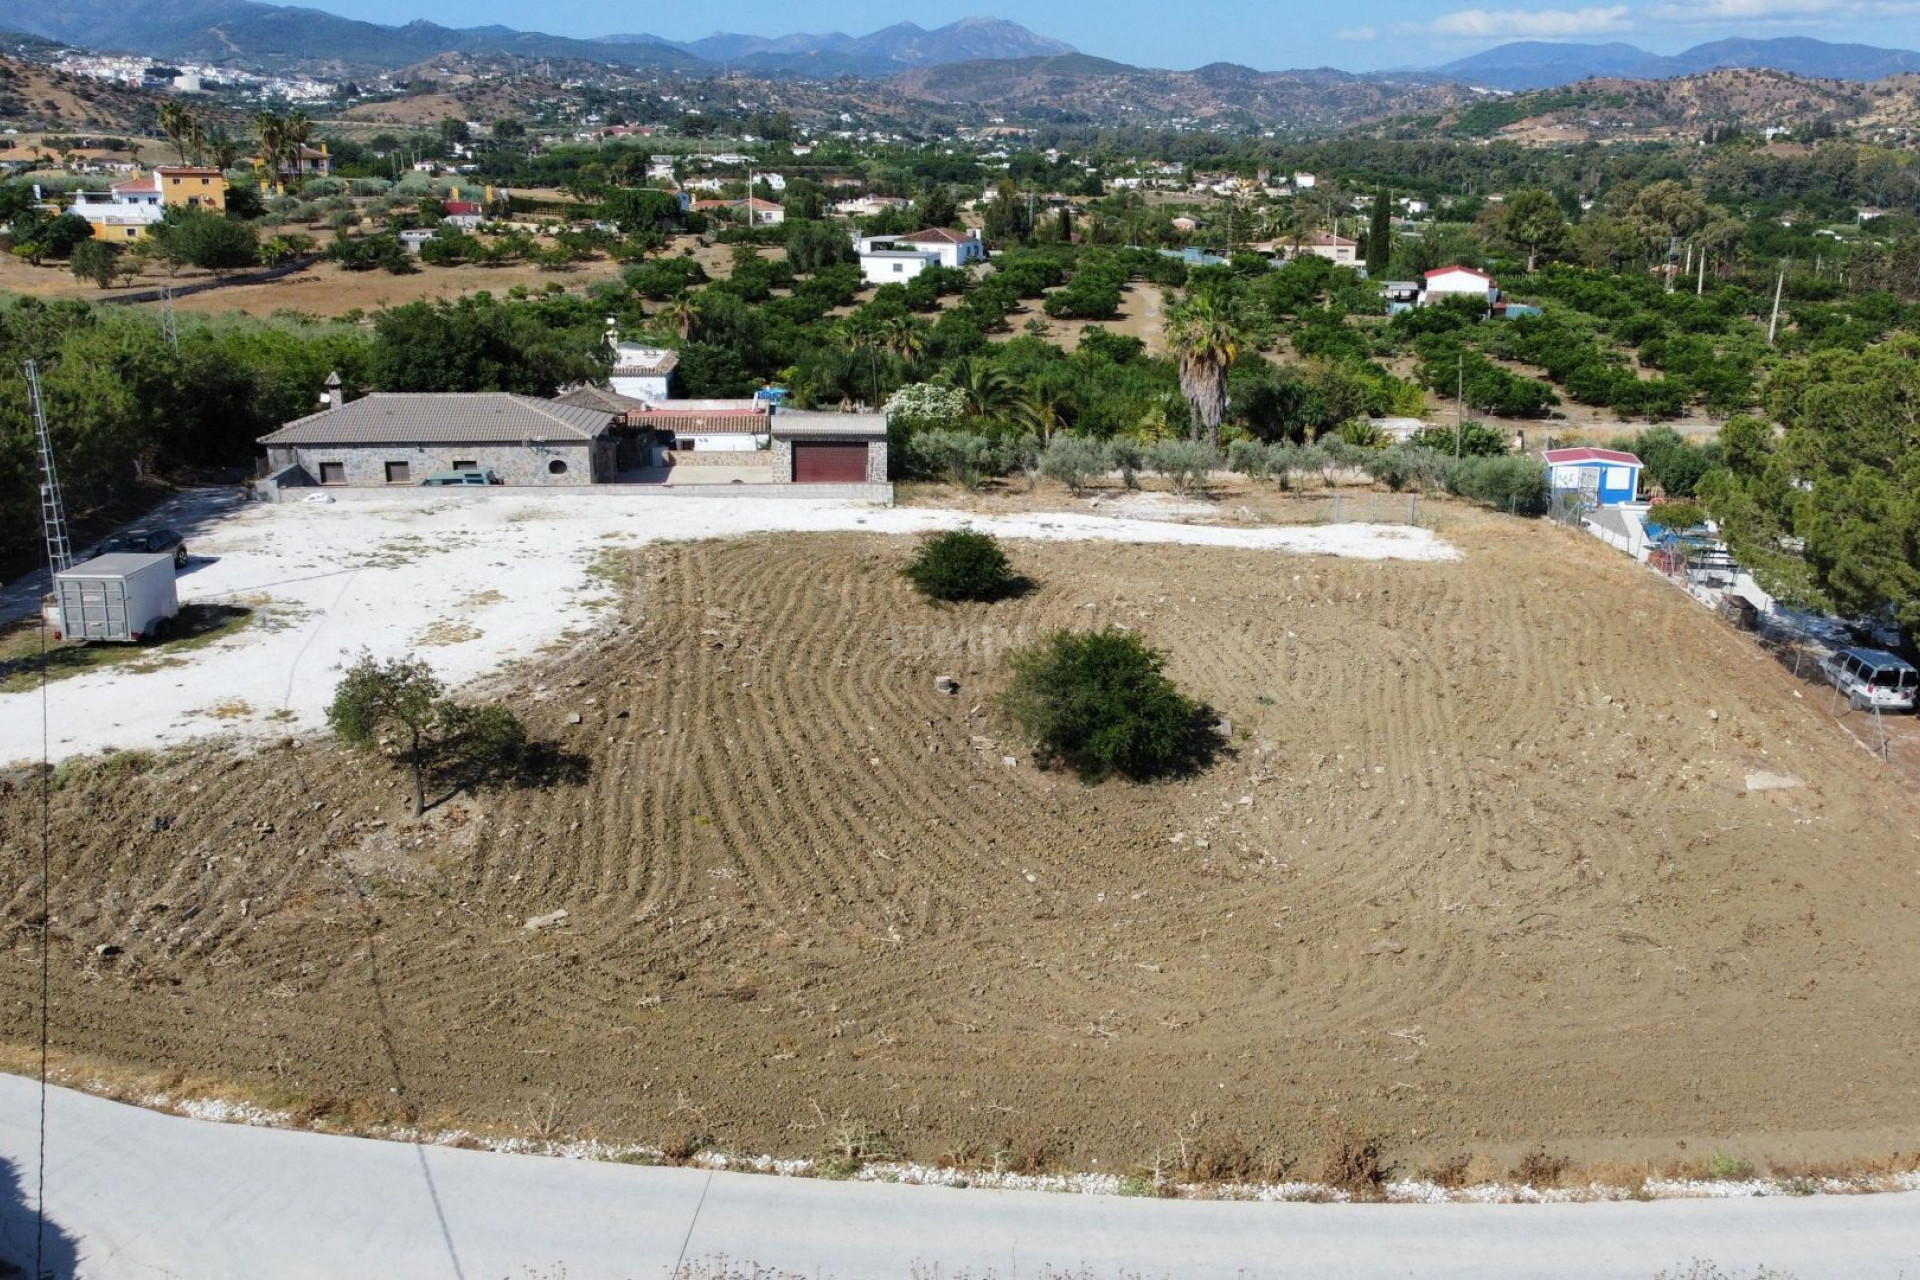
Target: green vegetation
[(195, 627), (1100, 703), (960, 564), (402, 699)]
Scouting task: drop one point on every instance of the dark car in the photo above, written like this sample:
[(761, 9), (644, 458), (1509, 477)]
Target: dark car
[(146, 542)]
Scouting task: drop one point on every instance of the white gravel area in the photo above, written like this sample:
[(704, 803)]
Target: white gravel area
[(469, 581)]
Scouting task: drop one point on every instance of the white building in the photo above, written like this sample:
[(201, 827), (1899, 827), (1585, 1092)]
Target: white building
[(1302, 181), (702, 428), (1321, 244), (897, 259), (1457, 282), (640, 373)]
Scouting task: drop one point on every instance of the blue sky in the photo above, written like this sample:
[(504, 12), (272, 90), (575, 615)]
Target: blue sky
[(1357, 35)]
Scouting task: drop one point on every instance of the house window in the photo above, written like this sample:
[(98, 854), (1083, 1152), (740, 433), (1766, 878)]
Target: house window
[(684, 444), (333, 473), (557, 467), (898, 267), (1617, 478), (397, 472), (466, 465)]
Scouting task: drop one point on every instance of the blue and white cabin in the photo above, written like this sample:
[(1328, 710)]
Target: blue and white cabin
[(1607, 476)]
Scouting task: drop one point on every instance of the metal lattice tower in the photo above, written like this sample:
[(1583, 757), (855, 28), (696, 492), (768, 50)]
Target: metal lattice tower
[(53, 512)]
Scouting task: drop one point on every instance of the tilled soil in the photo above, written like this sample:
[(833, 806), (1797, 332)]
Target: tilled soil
[(1480, 869)]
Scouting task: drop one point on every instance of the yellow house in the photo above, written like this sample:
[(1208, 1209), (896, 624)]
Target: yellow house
[(192, 186), (126, 210)]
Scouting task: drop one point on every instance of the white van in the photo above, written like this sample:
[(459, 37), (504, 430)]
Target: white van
[(1873, 679)]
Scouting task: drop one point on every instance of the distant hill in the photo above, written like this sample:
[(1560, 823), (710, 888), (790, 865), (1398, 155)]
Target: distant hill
[(269, 36), (1537, 64), (1087, 88), (905, 44)]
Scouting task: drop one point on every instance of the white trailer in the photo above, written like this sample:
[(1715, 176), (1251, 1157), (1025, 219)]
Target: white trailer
[(123, 597)]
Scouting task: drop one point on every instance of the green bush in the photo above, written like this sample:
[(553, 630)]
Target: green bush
[(960, 564), (1073, 460), (1187, 463), (1514, 483), (1100, 703)]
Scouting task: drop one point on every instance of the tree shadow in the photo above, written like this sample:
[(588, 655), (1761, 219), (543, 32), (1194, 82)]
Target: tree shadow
[(536, 765), (24, 1237)]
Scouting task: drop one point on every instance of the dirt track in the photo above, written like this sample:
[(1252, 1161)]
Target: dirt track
[(1482, 871)]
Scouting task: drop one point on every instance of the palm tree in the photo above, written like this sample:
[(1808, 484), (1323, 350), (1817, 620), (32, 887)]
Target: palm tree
[(985, 391), (223, 148), (902, 337), (682, 315), (271, 130), (176, 122), (1044, 409), (298, 131), (1205, 338)]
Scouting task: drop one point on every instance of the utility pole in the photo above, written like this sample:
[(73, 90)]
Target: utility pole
[(1700, 287), (1459, 402), (169, 322), (53, 512), (1773, 325)]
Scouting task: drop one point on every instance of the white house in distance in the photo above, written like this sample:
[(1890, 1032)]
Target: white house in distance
[(1443, 283), (897, 259), (640, 373), (1338, 250)]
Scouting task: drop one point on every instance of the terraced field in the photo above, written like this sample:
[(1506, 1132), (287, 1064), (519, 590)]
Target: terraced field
[(1482, 870)]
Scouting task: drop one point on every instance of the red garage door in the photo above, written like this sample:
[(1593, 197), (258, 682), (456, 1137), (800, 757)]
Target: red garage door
[(824, 462)]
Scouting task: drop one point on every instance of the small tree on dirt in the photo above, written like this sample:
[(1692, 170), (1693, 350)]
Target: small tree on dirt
[(403, 699), (1185, 463), (1100, 702), (1073, 460), (960, 564)]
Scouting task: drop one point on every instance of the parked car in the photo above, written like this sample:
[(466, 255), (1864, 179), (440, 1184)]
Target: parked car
[(1873, 679), (477, 475), (145, 542)]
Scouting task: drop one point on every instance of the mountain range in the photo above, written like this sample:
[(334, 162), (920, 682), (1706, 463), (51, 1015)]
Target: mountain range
[(1539, 64), (891, 49), (979, 51), (266, 36)]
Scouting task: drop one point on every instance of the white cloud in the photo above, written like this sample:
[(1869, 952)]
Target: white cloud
[(1785, 12), (1747, 10), (1358, 33), (1533, 24)]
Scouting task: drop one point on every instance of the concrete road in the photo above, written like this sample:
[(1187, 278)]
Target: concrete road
[(134, 1193)]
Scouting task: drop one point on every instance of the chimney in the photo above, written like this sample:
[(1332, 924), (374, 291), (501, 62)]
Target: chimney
[(335, 395), (613, 335)]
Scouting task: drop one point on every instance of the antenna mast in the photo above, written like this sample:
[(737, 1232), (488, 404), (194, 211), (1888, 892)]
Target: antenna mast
[(53, 512)]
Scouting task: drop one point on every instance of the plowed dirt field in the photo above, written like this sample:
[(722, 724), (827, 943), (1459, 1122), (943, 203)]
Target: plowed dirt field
[(1482, 869)]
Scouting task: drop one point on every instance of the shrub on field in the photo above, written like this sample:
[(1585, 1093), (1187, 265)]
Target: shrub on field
[(1073, 460), (960, 564), (1100, 703), (964, 457), (1514, 484), (1187, 463), (1405, 467), (1351, 1161), (1250, 458)]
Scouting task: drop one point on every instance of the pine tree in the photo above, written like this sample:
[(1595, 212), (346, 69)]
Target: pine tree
[(1380, 235)]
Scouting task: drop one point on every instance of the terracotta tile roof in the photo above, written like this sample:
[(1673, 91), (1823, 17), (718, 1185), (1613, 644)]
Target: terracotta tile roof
[(731, 422), (482, 417), (936, 235), (600, 398), (1464, 271), (630, 364)]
